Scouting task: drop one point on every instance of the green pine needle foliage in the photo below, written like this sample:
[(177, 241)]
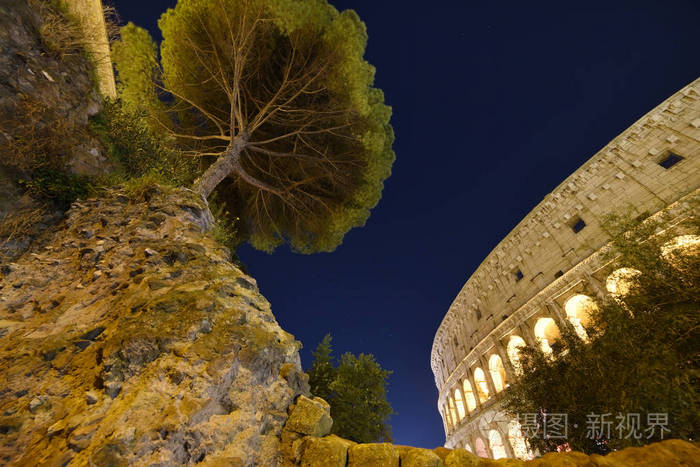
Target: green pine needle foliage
[(57, 186), (290, 75), (137, 150), (355, 388)]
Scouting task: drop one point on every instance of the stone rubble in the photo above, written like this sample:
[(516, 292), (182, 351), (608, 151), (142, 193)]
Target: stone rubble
[(301, 449)]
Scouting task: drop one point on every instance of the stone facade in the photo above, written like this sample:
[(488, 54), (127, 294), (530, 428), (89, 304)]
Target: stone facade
[(550, 264)]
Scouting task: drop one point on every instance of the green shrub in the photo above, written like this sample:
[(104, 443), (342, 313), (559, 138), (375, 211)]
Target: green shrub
[(138, 150), (62, 188), (225, 229)]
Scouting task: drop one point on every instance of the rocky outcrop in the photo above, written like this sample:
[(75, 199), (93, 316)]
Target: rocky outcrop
[(45, 83), (129, 337), (46, 96)]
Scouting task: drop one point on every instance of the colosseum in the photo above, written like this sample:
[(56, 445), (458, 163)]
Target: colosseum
[(549, 270)]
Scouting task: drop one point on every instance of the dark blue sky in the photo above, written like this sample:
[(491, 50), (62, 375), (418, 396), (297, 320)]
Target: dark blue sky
[(495, 103)]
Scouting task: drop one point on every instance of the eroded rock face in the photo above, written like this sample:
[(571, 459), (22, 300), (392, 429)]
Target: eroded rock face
[(46, 98), (52, 87), (128, 337)]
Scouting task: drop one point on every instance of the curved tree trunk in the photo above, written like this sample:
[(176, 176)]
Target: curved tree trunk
[(224, 165)]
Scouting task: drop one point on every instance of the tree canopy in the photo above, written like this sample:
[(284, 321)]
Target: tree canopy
[(355, 388), (642, 358), (277, 99)]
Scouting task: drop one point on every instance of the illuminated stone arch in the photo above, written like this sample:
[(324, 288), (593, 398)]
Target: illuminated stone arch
[(578, 311), (459, 403), (469, 395), (482, 388), (480, 448), (453, 414), (446, 417), (547, 332), (513, 350), (517, 441), (621, 281), (498, 372), (496, 444)]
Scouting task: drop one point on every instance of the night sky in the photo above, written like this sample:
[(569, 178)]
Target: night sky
[(495, 103)]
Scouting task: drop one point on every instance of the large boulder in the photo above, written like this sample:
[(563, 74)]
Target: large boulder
[(128, 336), (310, 417), (373, 455)]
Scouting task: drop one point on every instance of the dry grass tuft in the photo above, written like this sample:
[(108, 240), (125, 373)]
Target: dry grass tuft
[(60, 34), (33, 136), (20, 223)]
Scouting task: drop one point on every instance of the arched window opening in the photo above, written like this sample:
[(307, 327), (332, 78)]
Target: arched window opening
[(621, 281), (513, 350), (679, 248), (469, 395), (453, 414), (480, 448), (446, 418), (498, 372), (578, 310), (547, 332), (460, 404), (496, 445), (481, 387), (517, 441)]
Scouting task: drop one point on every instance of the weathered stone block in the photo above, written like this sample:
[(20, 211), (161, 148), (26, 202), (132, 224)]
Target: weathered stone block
[(670, 452), (373, 455), (442, 452), (562, 459), (461, 458), (418, 457), (330, 451), (310, 417)]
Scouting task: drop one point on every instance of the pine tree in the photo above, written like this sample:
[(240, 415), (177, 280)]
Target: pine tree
[(356, 392), (323, 372), (276, 99), (359, 409)]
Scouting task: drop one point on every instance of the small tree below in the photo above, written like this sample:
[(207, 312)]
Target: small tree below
[(356, 392)]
